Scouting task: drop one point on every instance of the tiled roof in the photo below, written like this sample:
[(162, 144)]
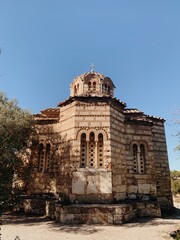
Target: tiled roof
[(156, 118), (48, 114), (135, 114), (95, 98), (132, 110)]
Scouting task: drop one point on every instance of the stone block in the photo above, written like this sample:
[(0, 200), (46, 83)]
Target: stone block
[(132, 196), (78, 183), (110, 218), (144, 188), (117, 180), (92, 184), (77, 219), (100, 218), (121, 189), (132, 189), (105, 182), (141, 205), (145, 197), (67, 218), (118, 219), (120, 196), (129, 216), (119, 210), (153, 188)]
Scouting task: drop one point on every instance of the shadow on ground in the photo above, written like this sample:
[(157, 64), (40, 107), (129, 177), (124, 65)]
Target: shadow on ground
[(29, 221), (17, 218), (85, 229)]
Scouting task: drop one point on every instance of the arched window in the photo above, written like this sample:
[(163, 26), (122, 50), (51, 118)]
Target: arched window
[(41, 157), (83, 150), (100, 150), (105, 86), (108, 90), (44, 158), (89, 86), (75, 90), (135, 167), (94, 86), (91, 150), (138, 158), (48, 157), (142, 158), (78, 88)]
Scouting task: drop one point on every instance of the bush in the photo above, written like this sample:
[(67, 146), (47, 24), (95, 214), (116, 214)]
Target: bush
[(175, 182)]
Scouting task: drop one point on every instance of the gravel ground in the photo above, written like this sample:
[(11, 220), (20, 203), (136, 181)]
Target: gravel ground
[(38, 228)]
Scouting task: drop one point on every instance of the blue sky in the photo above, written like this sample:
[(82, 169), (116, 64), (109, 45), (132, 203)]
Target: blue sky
[(46, 43)]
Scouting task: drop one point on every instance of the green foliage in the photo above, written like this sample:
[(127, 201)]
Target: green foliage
[(16, 126), (175, 182), (175, 234)]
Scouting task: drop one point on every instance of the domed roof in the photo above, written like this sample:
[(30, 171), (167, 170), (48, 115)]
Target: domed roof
[(92, 83), (92, 74)]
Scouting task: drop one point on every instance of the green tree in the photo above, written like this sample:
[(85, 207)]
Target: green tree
[(175, 182), (16, 126)]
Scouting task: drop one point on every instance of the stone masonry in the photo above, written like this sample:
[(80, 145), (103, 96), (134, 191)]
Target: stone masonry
[(92, 149)]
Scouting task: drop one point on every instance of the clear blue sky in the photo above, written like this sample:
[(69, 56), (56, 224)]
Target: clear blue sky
[(46, 43)]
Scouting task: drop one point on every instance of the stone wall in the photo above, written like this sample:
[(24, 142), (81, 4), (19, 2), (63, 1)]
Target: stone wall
[(91, 184), (162, 172), (118, 158), (116, 180), (101, 214), (140, 185)]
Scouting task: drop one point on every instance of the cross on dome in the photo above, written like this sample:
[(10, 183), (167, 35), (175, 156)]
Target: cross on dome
[(92, 67)]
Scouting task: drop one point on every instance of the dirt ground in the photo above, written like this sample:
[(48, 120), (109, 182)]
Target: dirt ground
[(38, 228)]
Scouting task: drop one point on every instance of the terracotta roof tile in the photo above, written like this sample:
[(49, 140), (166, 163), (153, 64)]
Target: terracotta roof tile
[(49, 113)]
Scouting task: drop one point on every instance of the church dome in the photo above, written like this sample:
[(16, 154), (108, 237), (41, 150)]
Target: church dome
[(92, 84)]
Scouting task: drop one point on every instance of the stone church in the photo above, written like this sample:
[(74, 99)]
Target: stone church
[(92, 149)]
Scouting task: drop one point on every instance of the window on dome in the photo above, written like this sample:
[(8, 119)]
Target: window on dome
[(89, 86), (94, 86), (108, 90), (75, 90)]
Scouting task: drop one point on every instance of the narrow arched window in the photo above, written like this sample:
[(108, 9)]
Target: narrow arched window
[(108, 90), (94, 86), (105, 86), (75, 90), (91, 150), (100, 150), (142, 158), (139, 158), (44, 158), (41, 158), (135, 159), (83, 150), (78, 88), (48, 157), (89, 86)]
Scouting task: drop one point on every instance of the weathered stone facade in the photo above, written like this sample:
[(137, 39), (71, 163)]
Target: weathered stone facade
[(92, 149)]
